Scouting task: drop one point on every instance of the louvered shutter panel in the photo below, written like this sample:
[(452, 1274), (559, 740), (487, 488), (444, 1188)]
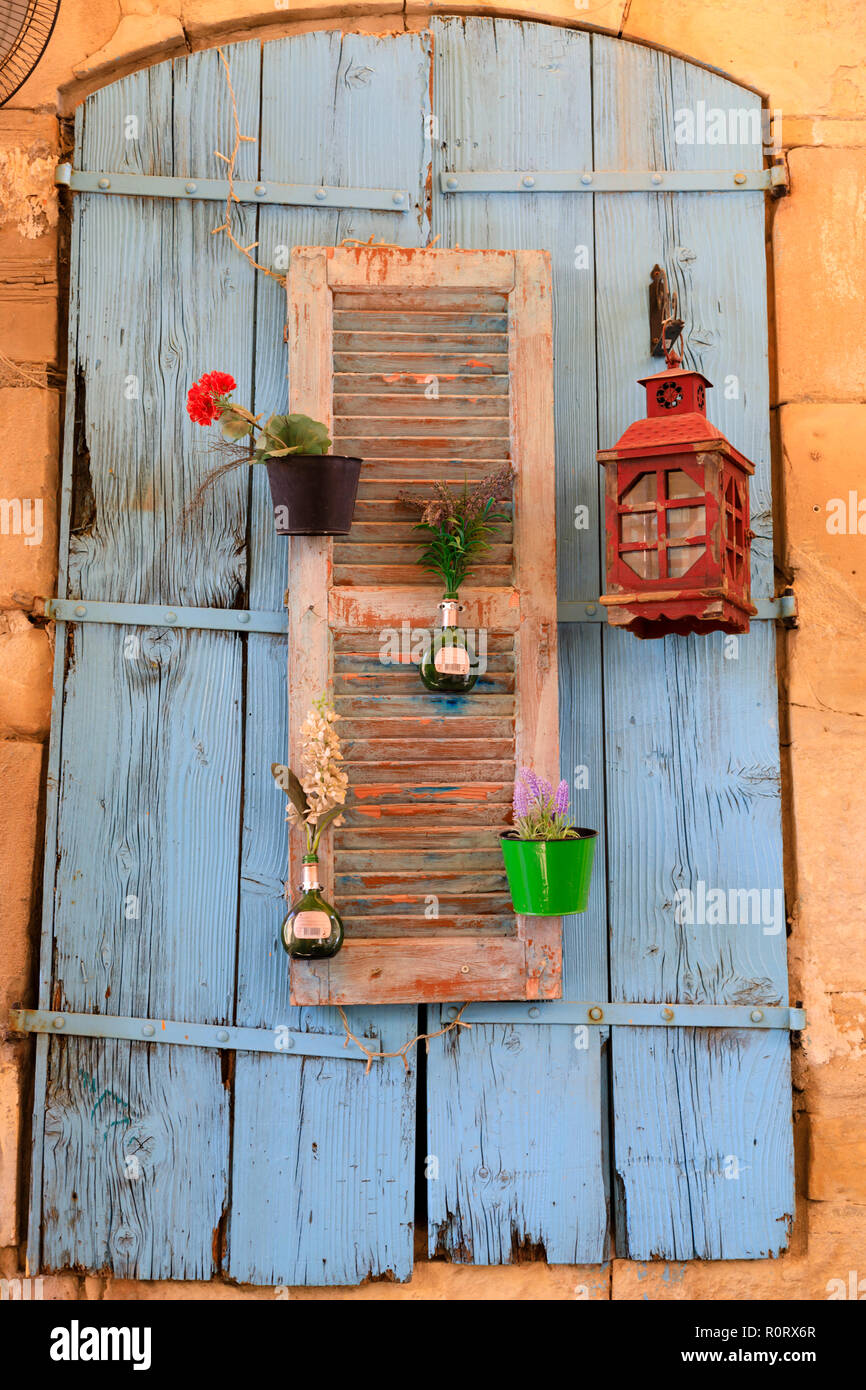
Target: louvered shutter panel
[(430, 775)]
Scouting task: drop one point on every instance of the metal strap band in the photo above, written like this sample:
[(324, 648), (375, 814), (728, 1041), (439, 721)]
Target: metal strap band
[(164, 1030), (601, 1015), (164, 615), (615, 181), (70, 610), (217, 190)]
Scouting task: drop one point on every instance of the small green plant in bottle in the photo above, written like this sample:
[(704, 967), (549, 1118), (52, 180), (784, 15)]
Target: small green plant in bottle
[(457, 529), (313, 929)]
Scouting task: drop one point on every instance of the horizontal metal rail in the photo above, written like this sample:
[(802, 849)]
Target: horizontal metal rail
[(164, 1030), (217, 190), (601, 1015), (165, 615), (614, 180), (70, 610)]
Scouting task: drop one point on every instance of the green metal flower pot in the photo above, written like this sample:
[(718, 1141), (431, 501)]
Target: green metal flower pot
[(549, 878)]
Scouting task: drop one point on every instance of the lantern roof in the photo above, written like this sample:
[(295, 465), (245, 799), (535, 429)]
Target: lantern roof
[(684, 431)]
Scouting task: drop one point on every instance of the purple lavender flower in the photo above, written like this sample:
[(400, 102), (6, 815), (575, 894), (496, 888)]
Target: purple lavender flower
[(545, 791), (527, 776), (560, 804), (521, 799)]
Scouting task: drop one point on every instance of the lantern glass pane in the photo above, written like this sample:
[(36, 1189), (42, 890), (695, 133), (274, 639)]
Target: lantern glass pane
[(639, 528), (686, 521), (643, 489), (682, 557), (681, 485), (644, 562)]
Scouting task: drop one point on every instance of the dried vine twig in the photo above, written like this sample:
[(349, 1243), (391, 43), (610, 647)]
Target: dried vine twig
[(401, 1051), (229, 161)]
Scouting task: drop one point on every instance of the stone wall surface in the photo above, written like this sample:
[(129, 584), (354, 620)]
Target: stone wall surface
[(808, 59)]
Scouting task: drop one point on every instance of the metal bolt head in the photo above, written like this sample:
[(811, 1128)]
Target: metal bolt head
[(528, 181), (590, 609), (596, 1014), (586, 178), (58, 1021), (321, 194), (739, 178), (148, 1030), (534, 1012), (243, 617), (756, 1015), (105, 183), (464, 969), (667, 1014), (80, 610), (171, 617), (222, 1035), (451, 183), (397, 198), (657, 178), (190, 187), (260, 190)]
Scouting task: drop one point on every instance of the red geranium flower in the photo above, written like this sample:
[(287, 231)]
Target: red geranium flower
[(207, 398)]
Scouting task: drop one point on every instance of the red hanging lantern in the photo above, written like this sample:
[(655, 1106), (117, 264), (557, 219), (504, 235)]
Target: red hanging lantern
[(677, 517)]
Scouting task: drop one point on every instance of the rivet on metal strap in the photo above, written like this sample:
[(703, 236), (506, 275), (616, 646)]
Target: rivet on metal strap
[(657, 178), (222, 1035), (321, 194), (58, 1022), (171, 617), (105, 183), (756, 1015), (596, 1014), (586, 178), (739, 178), (451, 183), (80, 610), (260, 190), (397, 198), (148, 1030), (190, 187), (534, 1013), (528, 181), (667, 1014), (243, 617)]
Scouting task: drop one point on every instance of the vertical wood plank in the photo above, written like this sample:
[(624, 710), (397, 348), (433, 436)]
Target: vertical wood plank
[(511, 95), (324, 1194), (146, 888), (702, 1120)]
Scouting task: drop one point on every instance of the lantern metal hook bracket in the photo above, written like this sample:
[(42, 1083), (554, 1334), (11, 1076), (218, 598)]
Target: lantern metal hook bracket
[(665, 324)]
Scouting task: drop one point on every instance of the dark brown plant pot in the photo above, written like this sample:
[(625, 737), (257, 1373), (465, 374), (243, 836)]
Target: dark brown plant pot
[(314, 494)]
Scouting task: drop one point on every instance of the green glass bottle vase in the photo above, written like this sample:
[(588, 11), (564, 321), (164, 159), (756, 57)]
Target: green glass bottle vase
[(313, 929), (448, 667)]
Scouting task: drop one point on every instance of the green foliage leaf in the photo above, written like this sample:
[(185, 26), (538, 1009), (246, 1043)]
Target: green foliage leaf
[(292, 434), (234, 426)]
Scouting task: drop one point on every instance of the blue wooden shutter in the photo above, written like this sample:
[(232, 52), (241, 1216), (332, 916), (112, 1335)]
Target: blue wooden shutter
[(160, 1161)]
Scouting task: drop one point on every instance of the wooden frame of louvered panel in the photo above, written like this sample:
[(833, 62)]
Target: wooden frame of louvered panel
[(411, 834)]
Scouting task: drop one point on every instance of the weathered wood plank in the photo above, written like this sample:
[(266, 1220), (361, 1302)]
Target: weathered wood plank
[(322, 1193), (391, 972), (692, 742), (147, 849), (547, 1196), (405, 384)]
